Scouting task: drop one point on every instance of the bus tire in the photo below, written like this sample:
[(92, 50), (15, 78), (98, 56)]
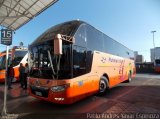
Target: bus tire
[(103, 85)]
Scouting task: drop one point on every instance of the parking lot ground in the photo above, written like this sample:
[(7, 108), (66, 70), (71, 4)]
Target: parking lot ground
[(136, 99)]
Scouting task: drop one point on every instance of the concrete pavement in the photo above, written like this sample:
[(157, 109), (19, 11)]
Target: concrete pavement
[(137, 99)]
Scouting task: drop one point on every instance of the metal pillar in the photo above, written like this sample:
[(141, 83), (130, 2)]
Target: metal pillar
[(4, 111), (153, 46)]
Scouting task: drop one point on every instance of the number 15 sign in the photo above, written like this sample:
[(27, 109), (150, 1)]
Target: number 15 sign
[(6, 37)]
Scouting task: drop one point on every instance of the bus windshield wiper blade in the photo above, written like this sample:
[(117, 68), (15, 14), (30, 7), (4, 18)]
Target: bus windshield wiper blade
[(49, 56)]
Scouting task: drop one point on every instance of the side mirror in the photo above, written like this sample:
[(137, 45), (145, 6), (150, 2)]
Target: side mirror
[(58, 45)]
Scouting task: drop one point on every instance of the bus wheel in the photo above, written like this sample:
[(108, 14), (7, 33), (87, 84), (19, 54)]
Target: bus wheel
[(103, 85)]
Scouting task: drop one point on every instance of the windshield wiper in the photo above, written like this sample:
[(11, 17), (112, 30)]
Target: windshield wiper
[(49, 56)]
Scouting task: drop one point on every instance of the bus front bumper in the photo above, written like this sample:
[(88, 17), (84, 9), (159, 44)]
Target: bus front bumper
[(50, 96)]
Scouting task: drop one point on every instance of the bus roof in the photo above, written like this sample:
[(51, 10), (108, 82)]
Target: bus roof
[(16, 48), (66, 28)]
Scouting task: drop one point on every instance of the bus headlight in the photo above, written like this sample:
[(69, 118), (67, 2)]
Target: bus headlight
[(59, 88)]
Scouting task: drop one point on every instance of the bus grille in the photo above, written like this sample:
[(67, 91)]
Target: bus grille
[(40, 91)]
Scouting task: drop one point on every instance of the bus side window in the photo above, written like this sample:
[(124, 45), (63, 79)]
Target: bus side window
[(79, 61)]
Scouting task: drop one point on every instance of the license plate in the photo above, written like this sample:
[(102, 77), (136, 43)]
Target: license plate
[(38, 93)]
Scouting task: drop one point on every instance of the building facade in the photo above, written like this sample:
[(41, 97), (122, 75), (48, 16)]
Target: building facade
[(155, 53), (138, 58)]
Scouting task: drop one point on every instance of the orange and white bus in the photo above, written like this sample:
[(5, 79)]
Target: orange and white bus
[(16, 56), (157, 65), (73, 60)]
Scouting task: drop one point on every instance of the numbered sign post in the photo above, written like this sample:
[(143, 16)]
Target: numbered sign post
[(6, 39)]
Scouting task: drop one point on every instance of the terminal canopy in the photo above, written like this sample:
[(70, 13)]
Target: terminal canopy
[(15, 13)]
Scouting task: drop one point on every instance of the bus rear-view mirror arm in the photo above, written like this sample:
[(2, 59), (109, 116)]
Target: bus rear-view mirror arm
[(58, 43)]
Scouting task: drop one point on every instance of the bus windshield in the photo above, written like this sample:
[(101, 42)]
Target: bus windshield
[(3, 61), (43, 63), (18, 56)]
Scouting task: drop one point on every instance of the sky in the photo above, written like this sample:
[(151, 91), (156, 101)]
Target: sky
[(129, 22)]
